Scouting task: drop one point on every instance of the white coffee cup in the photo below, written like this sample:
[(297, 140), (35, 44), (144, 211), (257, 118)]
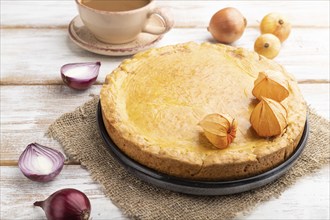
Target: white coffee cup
[(121, 21)]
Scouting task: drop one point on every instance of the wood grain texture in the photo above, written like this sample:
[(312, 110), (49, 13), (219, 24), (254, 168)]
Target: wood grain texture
[(25, 118), (57, 14), (42, 52), (289, 205), (19, 193)]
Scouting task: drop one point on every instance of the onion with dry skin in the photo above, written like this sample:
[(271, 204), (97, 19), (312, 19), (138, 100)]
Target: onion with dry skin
[(66, 204), (267, 45), (227, 25), (277, 24)]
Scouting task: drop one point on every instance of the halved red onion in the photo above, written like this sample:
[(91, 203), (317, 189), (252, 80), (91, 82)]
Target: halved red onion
[(80, 75), (40, 163)]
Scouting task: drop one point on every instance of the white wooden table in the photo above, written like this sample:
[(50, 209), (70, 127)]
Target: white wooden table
[(35, 44)]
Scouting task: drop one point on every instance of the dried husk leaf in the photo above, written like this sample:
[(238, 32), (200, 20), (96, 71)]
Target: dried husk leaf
[(219, 129), (269, 118), (271, 84)]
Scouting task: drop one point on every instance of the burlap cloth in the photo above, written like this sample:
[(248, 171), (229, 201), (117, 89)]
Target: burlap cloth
[(78, 133)]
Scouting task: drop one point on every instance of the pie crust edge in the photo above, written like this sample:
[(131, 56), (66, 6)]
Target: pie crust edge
[(137, 148)]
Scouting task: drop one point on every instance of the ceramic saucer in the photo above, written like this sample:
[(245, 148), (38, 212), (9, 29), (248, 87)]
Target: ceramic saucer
[(81, 36)]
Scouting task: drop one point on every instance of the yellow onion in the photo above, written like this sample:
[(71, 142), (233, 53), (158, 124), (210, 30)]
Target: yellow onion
[(277, 24), (267, 45), (227, 25)]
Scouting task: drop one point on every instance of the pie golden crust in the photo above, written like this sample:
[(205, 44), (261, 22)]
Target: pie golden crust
[(152, 104)]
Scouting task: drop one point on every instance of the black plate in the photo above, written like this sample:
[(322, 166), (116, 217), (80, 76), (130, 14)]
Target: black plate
[(199, 187)]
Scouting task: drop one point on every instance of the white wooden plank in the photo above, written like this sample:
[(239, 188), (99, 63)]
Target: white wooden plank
[(19, 193), (32, 13), (307, 199), (25, 118), (34, 56), (27, 112), (317, 96)]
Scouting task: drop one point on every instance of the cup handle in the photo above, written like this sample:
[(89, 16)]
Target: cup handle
[(164, 17)]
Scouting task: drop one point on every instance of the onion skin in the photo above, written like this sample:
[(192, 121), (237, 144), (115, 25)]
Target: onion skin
[(75, 82), (276, 24), (227, 25), (43, 178), (66, 204), (54, 155), (267, 45), (78, 84)]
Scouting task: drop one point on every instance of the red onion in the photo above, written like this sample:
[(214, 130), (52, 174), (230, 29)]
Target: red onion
[(80, 75), (70, 204), (40, 163)]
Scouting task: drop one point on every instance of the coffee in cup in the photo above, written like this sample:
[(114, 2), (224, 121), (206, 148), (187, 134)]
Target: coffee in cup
[(115, 5), (121, 21)]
